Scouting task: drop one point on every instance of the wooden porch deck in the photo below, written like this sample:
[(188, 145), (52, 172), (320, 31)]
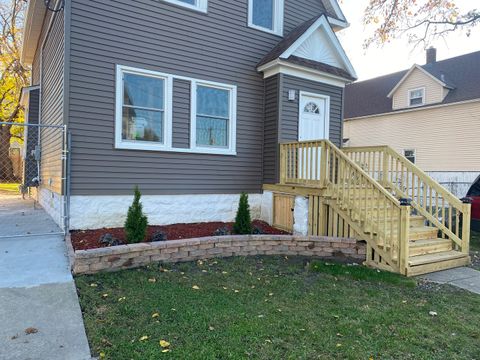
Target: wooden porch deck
[(411, 224)]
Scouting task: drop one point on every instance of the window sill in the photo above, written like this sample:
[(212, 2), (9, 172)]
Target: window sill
[(274, 32), (162, 148), (198, 9)]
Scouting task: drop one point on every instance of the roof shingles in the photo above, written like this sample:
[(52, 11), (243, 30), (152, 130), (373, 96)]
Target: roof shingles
[(461, 74)]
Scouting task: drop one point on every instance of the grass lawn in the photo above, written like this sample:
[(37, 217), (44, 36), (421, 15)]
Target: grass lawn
[(10, 188), (475, 240), (275, 308)]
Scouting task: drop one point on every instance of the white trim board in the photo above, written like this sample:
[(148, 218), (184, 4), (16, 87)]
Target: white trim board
[(200, 5), (282, 67)]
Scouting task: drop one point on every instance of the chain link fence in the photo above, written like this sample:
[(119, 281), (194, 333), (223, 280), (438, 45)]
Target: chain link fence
[(33, 181)]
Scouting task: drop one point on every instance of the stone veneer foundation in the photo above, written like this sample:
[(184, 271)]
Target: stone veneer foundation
[(136, 255)]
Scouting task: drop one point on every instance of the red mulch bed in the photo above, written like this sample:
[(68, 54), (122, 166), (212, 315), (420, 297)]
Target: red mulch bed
[(90, 239)]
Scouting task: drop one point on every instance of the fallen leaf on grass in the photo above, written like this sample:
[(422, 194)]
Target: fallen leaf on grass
[(211, 328), (122, 299), (339, 345), (152, 280), (164, 344), (102, 355), (165, 350), (144, 338), (432, 313), (237, 291), (104, 296), (93, 285), (156, 315), (31, 330), (195, 287)]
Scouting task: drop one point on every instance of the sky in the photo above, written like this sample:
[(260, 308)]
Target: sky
[(399, 54)]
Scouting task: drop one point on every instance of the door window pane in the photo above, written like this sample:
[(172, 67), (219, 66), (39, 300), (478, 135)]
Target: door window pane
[(262, 13), (213, 116)]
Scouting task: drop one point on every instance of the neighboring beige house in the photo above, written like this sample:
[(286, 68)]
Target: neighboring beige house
[(430, 113)]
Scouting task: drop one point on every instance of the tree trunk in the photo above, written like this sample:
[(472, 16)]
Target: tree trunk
[(6, 166)]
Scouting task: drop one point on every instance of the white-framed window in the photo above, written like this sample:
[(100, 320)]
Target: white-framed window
[(266, 15), (199, 5), (213, 117), (144, 113), (416, 97), (143, 109), (410, 154)]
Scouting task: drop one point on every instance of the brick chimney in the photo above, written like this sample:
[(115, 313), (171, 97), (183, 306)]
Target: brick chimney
[(431, 55)]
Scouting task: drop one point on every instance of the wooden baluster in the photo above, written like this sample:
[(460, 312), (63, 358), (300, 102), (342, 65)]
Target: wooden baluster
[(466, 216), (404, 239), (443, 216)]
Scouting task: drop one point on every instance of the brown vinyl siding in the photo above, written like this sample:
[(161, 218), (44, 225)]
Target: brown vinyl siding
[(270, 151), (155, 35), (181, 113), (52, 73), (289, 118)]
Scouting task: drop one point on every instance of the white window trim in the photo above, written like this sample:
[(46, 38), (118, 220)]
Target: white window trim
[(414, 154), (410, 96), (201, 5), (168, 117), (278, 14), (120, 143), (232, 126)]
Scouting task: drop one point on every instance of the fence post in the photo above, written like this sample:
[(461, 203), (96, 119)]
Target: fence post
[(404, 236), (283, 164), (466, 216)]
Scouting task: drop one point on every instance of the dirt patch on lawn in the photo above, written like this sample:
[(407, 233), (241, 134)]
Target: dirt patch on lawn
[(90, 239)]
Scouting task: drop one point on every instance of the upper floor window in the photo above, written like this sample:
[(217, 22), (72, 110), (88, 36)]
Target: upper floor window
[(416, 97), (266, 15), (200, 5)]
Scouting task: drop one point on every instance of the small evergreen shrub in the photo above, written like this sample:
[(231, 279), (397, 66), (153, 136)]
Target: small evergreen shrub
[(243, 221), (137, 222)]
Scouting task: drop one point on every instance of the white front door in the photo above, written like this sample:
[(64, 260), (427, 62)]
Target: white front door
[(314, 117), (313, 124)]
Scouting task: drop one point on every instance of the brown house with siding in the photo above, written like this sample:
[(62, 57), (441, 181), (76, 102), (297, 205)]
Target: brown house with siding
[(188, 99)]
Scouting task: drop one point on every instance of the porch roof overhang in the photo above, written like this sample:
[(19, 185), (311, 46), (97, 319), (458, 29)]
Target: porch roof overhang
[(34, 18), (318, 54)]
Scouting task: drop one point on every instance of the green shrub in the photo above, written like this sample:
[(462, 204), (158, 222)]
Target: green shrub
[(137, 222), (243, 221)]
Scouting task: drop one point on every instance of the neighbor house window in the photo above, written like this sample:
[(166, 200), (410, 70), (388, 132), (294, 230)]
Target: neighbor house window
[(213, 117), (416, 97), (266, 15), (200, 5), (143, 111), (410, 155)]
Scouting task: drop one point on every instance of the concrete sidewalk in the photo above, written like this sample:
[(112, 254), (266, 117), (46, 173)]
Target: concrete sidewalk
[(465, 278), (40, 317)]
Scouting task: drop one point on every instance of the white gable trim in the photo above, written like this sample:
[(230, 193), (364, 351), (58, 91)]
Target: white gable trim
[(282, 67), (409, 72), (321, 23)]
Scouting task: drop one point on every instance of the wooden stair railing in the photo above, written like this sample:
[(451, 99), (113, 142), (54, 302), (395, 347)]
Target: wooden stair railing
[(372, 211), (439, 206)]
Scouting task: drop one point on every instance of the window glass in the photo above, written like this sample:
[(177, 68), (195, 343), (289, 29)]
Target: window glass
[(213, 116), (191, 2), (410, 155), (262, 13), (143, 108), (416, 97)]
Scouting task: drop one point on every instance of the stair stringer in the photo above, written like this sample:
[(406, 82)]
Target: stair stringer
[(390, 264)]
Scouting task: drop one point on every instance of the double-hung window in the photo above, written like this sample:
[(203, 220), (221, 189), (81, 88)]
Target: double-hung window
[(143, 111), (266, 15), (416, 97), (200, 5), (213, 119)]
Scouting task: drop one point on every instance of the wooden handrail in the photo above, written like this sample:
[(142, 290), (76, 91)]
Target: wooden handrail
[(374, 212), (406, 179)]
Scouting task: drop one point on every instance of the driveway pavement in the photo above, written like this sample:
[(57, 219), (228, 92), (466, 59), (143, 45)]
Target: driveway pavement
[(465, 278), (40, 317)]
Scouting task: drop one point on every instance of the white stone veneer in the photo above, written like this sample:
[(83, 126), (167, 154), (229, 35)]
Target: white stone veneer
[(52, 203), (300, 216), (94, 212)]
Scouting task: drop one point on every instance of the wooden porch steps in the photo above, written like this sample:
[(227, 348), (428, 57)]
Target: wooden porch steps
[(429, 246), (423, 264)]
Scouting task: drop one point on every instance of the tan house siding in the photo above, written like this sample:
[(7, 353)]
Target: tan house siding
[(443, 137), (434, 91)]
